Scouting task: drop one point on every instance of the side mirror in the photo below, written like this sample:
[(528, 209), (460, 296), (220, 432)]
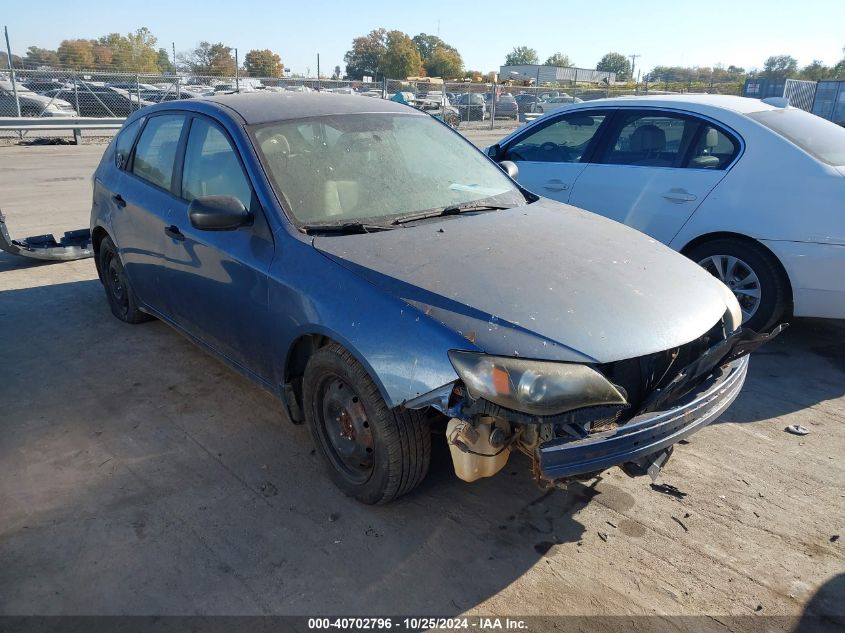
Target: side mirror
[(493, 151), (510, 168), (217, 213)]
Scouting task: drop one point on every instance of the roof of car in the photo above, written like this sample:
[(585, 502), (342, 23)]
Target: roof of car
[(742, 105), (262, 107)]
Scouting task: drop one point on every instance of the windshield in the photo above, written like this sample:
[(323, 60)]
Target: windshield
[(816, 136), (374, 167)]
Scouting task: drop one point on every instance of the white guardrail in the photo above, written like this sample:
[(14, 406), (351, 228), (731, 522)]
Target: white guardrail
[(76, 124)]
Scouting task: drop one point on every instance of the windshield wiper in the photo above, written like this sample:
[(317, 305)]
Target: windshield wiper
[(346, 227), (454, 209)]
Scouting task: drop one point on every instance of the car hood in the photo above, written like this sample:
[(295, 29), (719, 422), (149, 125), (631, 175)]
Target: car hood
[(543, 281), (42, 99)]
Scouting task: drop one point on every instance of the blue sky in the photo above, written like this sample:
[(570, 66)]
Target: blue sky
[(740, 32)]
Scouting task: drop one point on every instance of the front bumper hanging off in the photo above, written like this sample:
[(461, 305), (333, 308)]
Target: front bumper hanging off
[(645, 434), (73, 245)]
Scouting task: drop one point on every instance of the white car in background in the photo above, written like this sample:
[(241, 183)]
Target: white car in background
[(753, 192), (555, 103)]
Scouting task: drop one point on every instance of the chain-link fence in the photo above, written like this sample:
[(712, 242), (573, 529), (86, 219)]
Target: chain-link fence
[(39, 92)]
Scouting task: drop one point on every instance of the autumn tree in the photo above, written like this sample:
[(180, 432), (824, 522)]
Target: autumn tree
[(439, 59), (559, 59), (522, 55), (263, 63), (401, 57), (76, 53)]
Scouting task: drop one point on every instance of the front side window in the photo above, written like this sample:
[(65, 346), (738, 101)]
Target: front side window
[(564, 141), (155, 154), (650, 140), (211, 166), (357, 167)]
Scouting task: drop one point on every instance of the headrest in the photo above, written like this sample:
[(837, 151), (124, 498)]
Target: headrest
[(276, 144), (648, 138), (711, 139)]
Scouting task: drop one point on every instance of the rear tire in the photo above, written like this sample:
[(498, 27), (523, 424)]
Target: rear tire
[(119, 292), (372, 453), (735, 261)]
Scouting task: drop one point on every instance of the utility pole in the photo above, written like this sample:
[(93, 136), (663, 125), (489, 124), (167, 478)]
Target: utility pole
[(633, 60), (318, 72), (237, 77), (173, 46)]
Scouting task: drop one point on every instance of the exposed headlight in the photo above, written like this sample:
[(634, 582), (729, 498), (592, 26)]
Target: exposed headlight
[(531, 386)]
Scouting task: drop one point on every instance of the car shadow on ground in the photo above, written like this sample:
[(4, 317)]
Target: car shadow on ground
[(145, 477), (802, 367)]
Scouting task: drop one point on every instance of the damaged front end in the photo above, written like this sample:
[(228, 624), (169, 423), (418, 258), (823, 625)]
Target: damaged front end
[(73, 245), (575, 420)]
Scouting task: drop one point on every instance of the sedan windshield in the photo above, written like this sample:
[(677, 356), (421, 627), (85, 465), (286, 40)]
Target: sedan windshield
[(375, 168)]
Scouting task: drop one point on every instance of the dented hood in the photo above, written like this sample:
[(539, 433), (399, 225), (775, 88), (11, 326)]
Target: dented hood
[(542, 281)]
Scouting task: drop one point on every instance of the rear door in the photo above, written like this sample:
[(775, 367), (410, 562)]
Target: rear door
[(218, 279), (552, 155), (654, 168), (143, 200)]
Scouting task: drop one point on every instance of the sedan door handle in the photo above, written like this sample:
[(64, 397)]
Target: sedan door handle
[(174, 232), (118, 199), (555, 185), (679, 196)]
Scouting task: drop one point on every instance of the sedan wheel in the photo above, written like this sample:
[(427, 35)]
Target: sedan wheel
[(119, 292), (739, 277), (752, 274)]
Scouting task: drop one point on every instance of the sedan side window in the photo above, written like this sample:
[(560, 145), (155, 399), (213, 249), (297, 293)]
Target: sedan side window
[(713, 150), (155, 153), (211, 166), (563, 141), (123, 144), (650, 140)]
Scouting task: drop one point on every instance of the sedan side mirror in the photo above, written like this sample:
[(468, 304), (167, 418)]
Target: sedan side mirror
[(217, 213), (510, 168), (493, 151)]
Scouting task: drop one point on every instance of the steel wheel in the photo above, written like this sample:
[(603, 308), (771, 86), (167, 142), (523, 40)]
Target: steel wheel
[(347, 429), (739, 277), (116, 286)]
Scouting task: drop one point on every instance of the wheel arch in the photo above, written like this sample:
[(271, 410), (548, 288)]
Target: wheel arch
[(98, 234), (715, 235)]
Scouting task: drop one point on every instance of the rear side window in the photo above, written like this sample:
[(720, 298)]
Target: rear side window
[(816, 136), (155, 154), (713, 149), (211, 166), (123, 144)]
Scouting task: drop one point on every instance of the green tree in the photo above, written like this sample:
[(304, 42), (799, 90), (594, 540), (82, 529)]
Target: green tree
[(366, 55), (263, 63), (41, 56), (401, 59), (838, 71), (816, 71), (615, 63), (76, 53), (559, 59), (521, 55), (133, 52), (214, 60), (780, 67), (164, 63), (444, 62)]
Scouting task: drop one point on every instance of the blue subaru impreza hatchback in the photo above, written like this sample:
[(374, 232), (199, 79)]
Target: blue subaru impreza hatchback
[(383, 277)]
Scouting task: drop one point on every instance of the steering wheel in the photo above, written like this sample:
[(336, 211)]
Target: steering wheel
[(564, 151)]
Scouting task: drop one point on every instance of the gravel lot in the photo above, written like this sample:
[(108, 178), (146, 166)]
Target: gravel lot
[(140, 476)]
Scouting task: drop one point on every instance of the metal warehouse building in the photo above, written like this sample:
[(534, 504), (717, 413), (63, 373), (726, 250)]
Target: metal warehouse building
[(553, 74)]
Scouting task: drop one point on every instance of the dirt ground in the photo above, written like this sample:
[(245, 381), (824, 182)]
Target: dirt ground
[(140, 476)]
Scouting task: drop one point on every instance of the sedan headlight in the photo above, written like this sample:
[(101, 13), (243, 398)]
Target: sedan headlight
[(531, 386)]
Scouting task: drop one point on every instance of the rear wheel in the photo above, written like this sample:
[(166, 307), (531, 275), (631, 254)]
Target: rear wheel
[(119, 292), (751, 273), (373, 453)]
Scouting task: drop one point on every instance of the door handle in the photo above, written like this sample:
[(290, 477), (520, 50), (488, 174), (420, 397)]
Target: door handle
[(119, 200), (174, 232), (555, 185), (679, 196)]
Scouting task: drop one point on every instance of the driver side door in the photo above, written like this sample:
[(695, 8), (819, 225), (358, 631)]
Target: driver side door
[(551, 156)]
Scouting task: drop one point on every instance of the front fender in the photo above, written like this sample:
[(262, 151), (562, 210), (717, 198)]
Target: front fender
[(404, 351)]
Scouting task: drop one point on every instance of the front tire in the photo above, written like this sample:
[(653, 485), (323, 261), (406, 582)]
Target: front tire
[(119, 292), (372, 453), (752, 274)]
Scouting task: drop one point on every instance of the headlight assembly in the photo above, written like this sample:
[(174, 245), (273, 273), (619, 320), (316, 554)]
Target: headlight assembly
[(531, 386)]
